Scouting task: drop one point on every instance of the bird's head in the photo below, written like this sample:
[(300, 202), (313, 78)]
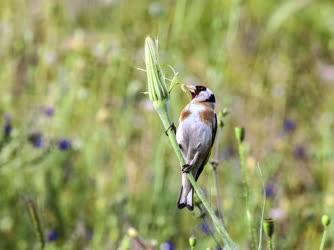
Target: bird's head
[(200, 93)]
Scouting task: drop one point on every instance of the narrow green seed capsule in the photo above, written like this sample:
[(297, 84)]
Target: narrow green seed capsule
[(220, 121), (240, 134), (225, 112), (192, 241), (157, 88), (268, 227), (325, 220)]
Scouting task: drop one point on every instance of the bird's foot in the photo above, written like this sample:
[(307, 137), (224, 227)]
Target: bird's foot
[(186, 168), (171, 127)]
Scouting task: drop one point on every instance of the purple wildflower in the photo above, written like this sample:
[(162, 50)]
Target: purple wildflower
[(7, 128), (168, 245), (53, 235), (205, 228), (64, 144), (300, 152), (270, 190), (289, 126), (49, 111), (36, 139)]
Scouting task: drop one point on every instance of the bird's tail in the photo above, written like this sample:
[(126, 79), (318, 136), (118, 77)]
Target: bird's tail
[(186, 198)]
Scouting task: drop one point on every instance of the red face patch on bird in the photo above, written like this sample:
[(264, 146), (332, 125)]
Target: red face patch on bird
[(197, 90), (200, 93)]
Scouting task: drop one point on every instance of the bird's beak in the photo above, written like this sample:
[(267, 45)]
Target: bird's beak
[(189, 88)]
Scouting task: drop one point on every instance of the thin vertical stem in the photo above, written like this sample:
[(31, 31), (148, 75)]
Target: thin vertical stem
[(34, 216), (205, 222), (270, 243), (218, 192), (240, 133), (323, 240)]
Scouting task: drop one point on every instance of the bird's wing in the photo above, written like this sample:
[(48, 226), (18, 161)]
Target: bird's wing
[(214, 131)]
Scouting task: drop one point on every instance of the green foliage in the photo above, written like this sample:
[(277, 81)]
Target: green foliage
[(99, 163)]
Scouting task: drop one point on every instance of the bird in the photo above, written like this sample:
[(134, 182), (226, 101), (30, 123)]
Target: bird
[(195, 136)]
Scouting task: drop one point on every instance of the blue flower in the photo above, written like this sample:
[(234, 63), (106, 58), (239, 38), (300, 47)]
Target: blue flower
[(64, 144), (270, 190), (168, 245), (7, 128), (53, 235), (289, 126), (300, 152), (49, 111), (205, 228), (36, 139)]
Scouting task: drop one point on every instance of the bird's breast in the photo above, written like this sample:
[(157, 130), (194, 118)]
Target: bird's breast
[(195, 122), (198, 113)]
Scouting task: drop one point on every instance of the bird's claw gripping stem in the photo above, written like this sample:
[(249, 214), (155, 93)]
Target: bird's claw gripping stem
[(186, 168), (171, 127)]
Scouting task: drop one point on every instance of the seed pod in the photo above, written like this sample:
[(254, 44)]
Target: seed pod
[(192, 241), (156, 80), (220, 119), (225, 112), (268, 227), (325, 220), (240, 134)]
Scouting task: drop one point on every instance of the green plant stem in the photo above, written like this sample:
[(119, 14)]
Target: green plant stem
[(323, 240), (217, 191), (34, 216), (160, 108), (246, 193), (263, 208), (217, 241), (270, 244)]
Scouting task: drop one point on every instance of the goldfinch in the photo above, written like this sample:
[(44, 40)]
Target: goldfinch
[(195, 135)]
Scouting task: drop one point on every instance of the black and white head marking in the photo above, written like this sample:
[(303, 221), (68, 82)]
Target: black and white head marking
[(202, 94)]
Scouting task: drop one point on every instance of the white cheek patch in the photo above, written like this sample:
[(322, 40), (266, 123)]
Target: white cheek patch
[(199, 97)]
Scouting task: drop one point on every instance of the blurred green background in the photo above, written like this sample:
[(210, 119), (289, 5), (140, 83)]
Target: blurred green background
[(82, 145)]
